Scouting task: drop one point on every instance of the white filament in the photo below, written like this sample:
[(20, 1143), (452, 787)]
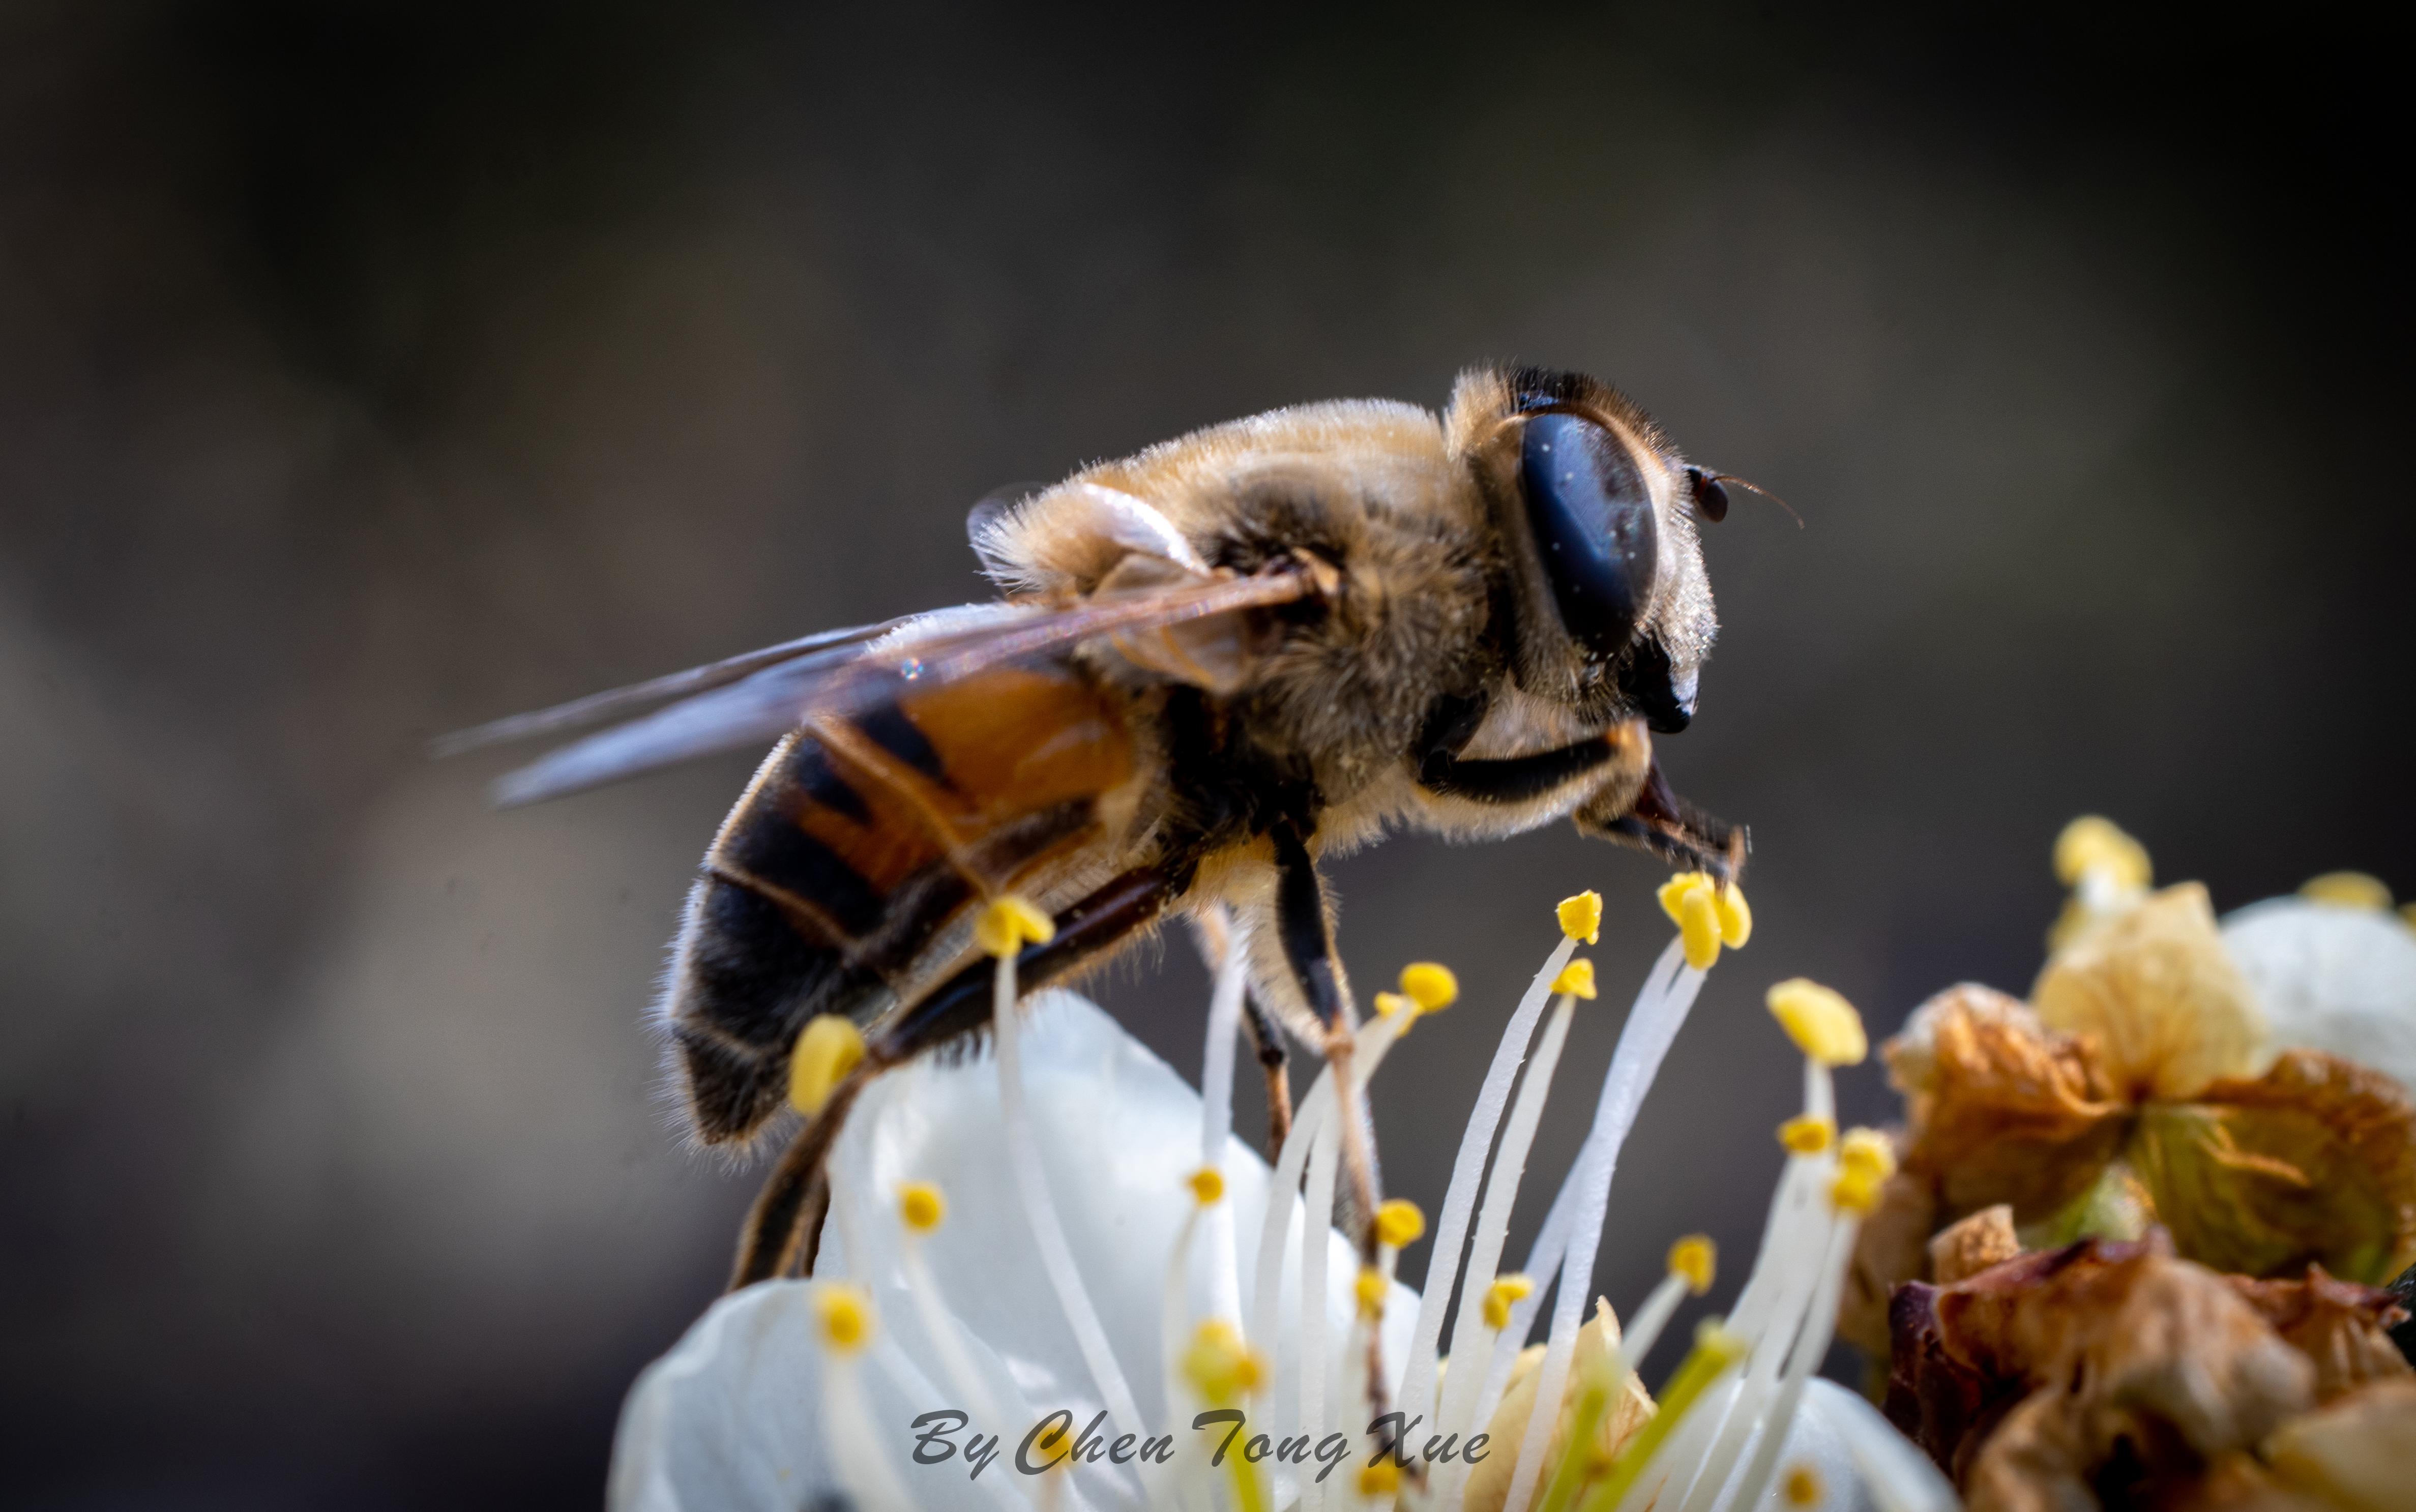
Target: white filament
[(1041, 1209), (1460, 1393), (1323, 1155), (863, 1471), (1466, 1172), (1811, 1346), (1660, 1009), (1373, 1038), (946, 1335), (1217, 1118)]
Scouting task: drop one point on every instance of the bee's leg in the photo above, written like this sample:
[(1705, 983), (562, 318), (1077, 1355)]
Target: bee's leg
[(1656, 820), (781, 1231), (1304, 920), (1522, 778), (1212, 928), (1266, 1037)]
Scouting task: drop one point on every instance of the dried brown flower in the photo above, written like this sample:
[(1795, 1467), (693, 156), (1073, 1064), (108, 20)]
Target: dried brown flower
[(2339, 1325), (2099, 1369)]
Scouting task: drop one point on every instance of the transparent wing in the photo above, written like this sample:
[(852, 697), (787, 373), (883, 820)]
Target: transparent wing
[(929, 651), (598, 708)]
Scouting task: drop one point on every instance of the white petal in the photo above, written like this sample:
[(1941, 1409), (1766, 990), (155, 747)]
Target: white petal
[(2331, 978), (1838, 1427), (1861, 1462), (728, 1419)]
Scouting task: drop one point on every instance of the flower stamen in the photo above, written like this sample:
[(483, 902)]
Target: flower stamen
[(827, 1048)]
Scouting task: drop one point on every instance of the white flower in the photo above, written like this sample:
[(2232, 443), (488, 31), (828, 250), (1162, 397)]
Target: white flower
[(730, 1417), (2332, 976), (1090, 1265)]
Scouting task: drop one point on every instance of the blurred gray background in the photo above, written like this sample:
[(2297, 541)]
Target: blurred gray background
[(369, 369)]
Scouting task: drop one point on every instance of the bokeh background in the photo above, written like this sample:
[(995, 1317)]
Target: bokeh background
[(369, 369)]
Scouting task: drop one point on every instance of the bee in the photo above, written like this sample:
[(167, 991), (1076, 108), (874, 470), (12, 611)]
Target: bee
[(1211, 665)]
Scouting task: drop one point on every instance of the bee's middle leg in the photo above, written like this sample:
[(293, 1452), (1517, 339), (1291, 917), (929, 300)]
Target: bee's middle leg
[(1305, 921), (783, 1228)]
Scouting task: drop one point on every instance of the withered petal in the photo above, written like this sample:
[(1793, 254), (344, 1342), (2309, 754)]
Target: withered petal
[(2314, 1161), (2169, 1010), (1971, 1244), (2356, 1454), (2339, 1325), (2003, 1109), (1889, 1249)]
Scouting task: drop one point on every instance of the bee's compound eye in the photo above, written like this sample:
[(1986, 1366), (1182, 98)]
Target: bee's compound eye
[(1667, 702), (1592, 521), (1711, 495)]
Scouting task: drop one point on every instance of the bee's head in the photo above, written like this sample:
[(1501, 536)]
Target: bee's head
[(1601, 572)]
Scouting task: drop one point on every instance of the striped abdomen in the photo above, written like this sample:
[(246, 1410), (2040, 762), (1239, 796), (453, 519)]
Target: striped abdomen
[(859, 840)]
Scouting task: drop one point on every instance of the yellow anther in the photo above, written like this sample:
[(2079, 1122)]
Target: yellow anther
[(1674, 893), (1582, 917), (2347, 889), (1692, 1257), (1389, 1003), (1576, 979), (1400, 1222), (1381, 1479), (1698, 923), (828, 1047), (1802, 1486), (1499, 1298), (1824, 1025), (843, 1312), (2407, 915), (2091, 843), (1736, 918), (1807, 1134), (1867, 1152), (1008, 923), (1371, 1290), (1432, 988), (1854, 1192), (921, 1205), (1217, 1365), (1207, 1186)]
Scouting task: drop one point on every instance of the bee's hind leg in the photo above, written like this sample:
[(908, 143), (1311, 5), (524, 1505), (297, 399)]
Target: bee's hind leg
[(1212, 927), (782, 1231), (1266, 1037)]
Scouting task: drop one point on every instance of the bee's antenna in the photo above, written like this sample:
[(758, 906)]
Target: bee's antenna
[(1713, 499), (1749, 483)]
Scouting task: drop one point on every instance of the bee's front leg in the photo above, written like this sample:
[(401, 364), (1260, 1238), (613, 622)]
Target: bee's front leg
[(1651, 818), (1624, 750)]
